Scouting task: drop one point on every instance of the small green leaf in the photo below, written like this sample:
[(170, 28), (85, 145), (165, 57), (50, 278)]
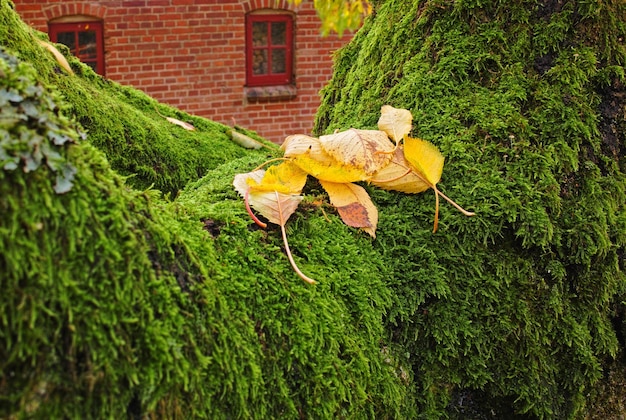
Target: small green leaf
[(64, 179)]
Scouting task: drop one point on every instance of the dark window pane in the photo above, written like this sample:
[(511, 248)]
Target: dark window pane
[(279, 61), (87, 45), (279, 33), (259, 34), (259, 62), (67, 38)]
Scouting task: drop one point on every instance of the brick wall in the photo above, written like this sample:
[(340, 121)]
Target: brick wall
[(191, 54)]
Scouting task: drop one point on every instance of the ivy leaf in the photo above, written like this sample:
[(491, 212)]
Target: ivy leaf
[(353, 204)]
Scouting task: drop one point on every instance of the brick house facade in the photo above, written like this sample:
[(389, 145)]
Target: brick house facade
[(192, 54)]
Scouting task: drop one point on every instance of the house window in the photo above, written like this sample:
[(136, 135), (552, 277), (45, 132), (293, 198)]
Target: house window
[(84, 39), (269, 49)]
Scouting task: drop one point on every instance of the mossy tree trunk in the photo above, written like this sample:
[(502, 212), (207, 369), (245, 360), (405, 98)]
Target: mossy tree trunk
[(527, 101)]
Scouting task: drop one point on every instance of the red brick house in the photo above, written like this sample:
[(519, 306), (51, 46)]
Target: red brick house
[(260, 63)]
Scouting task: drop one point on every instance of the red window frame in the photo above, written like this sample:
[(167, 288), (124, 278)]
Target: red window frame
[(77, 27), (269, 78)]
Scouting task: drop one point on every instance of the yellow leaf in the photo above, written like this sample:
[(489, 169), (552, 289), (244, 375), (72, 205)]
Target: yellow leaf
[(396, 122), (307, 153), (242, 181), (399, 176), (427, 163), (180, 123), (367, 150), (285, 178), (340, 15), (263, 199), (244, 141), (57, 55), (273, 205), (353, 204), (424, 158)]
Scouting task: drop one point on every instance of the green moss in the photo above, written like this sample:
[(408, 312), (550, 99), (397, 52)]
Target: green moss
[(327, 341), (91, 321), (117, 303), (525, 100)]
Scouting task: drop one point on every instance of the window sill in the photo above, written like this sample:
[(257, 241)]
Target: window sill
[(269, 93)]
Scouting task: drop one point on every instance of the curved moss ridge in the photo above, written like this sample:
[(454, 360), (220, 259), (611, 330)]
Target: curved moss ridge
[(122, 122), (526, 100), (116, 304), (91, 322)]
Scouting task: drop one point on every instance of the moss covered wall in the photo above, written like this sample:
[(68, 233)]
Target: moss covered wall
[(118, 303)]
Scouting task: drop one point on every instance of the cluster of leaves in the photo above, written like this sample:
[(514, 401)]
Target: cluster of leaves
[(33, 129), (411, 165)]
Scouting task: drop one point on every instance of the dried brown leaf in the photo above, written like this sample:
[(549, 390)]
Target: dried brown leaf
[(366, 150), (354, 205)]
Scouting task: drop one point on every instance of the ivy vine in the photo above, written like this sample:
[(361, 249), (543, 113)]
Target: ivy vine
[(33, 130)]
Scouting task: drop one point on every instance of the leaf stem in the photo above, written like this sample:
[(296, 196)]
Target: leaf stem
[(448, 199), (436, 223), (249, 210), (269, 161), (287, 250), (459, 208)]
